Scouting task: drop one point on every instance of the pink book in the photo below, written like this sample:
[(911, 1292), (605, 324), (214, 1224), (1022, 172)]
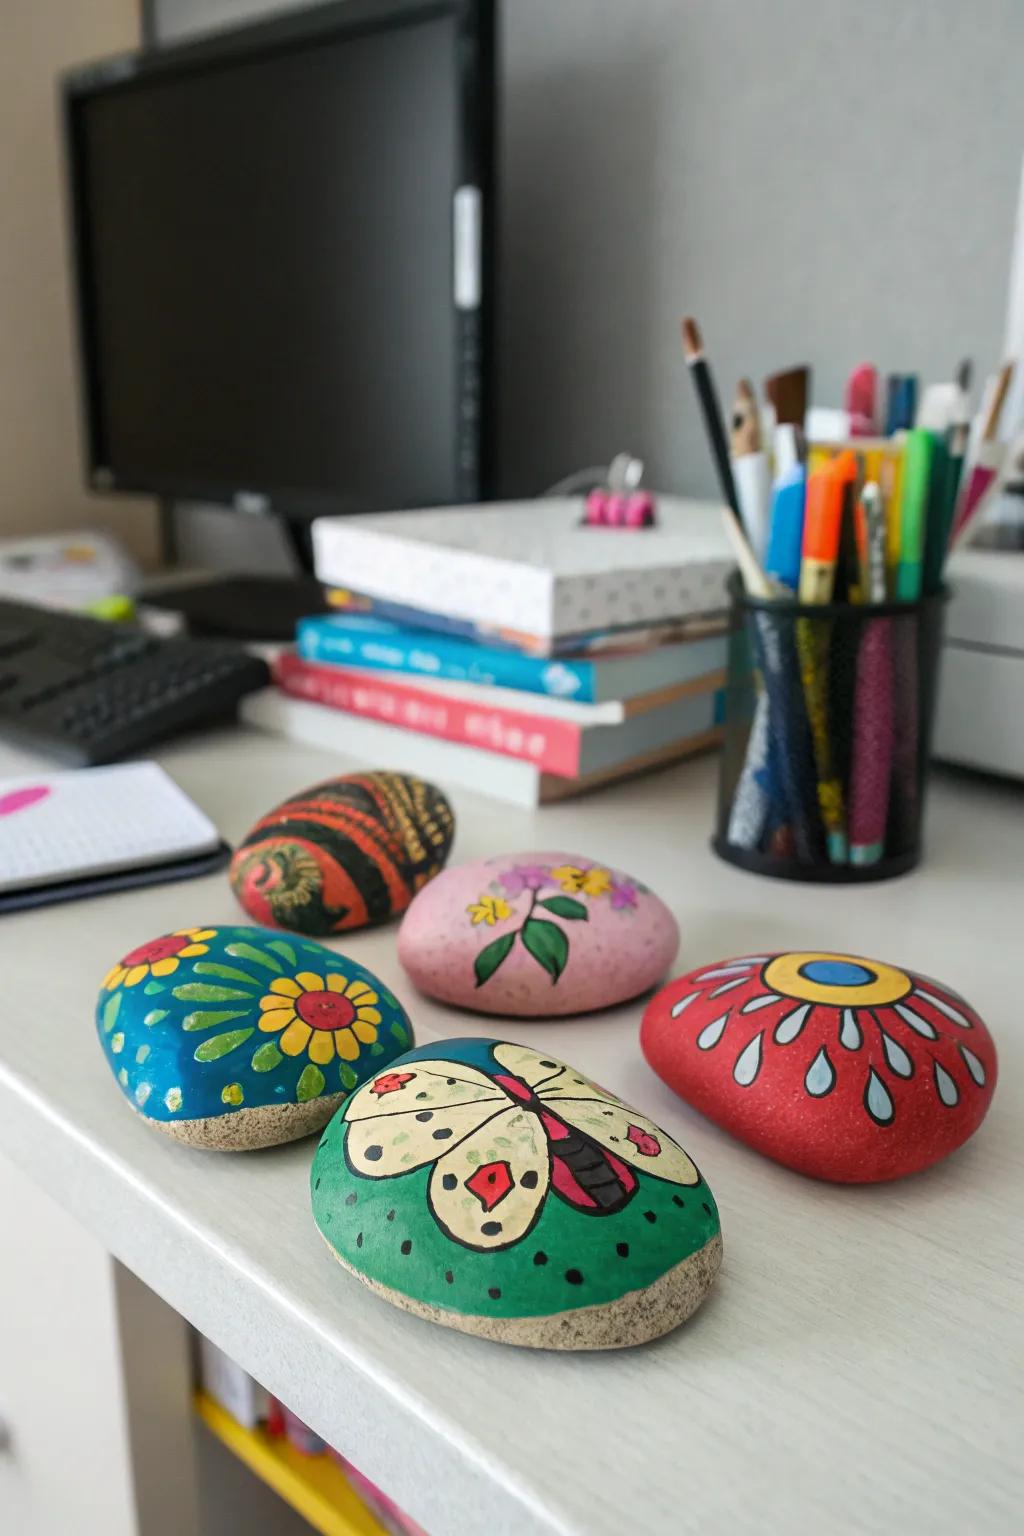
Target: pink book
[(552, 745)]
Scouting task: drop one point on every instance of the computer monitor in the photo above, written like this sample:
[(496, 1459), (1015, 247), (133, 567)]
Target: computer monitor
[(283, 258)]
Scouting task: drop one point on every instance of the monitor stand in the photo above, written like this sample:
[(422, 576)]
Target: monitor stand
[(245, 607)]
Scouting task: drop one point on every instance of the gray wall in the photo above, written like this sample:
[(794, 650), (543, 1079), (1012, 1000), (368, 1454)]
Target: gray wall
[(824, 180)]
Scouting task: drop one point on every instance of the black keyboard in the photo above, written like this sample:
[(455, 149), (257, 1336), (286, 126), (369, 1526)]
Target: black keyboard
[(90, 692)]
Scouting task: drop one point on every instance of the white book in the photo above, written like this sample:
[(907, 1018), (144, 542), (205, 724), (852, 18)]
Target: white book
[(447, 763), (86, 822), (532, 567), (234, 1389)]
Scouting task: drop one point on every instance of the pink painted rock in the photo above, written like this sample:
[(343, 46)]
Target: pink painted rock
[(535, 935), (840, 1067)]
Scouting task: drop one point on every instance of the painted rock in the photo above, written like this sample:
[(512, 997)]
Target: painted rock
[(839, 1067), (495, 1190), (536, 935), (234, 1038), (345, 854)]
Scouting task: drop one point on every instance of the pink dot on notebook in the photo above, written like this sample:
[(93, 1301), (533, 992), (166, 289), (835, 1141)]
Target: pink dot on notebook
[(21, 799)]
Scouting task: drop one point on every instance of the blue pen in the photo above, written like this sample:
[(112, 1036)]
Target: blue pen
[(786, 527), (901, 403), (786, 531), (759, 804)]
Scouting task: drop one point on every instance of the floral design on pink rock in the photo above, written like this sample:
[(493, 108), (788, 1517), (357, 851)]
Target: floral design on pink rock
[(586, 882), (546, 941), (524, 877)]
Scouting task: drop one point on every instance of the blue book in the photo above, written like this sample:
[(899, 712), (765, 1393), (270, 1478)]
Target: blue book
[(347, 640)]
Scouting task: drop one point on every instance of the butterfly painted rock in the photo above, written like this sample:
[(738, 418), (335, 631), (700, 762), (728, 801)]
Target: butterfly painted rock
[(493, 1189), (536, 935), (840, 1067), (234, 1038), (349, 853)]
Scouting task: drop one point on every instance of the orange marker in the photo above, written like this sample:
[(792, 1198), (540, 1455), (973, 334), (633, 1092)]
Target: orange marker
[(823, 518), (847, 588), (845, 465)]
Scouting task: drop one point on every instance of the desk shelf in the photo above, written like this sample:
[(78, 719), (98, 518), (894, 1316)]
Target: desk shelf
[(312, 1485)]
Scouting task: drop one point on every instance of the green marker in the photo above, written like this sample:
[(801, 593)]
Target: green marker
[(939, 520), (917, 469)]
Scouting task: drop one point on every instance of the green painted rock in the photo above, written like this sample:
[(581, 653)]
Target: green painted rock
[(234, 1038), (493, 1189)]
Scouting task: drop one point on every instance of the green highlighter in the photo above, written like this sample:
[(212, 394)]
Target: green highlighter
[(918, 457)]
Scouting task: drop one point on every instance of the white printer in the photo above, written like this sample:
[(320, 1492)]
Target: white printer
[(980, 718)]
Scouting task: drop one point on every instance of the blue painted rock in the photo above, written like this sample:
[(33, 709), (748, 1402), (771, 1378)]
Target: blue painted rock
[(536, 935), (345, 854), (840, 1067), (493, 1189), (234, 1038)]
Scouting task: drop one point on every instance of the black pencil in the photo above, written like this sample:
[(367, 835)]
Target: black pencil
[(693, 350)]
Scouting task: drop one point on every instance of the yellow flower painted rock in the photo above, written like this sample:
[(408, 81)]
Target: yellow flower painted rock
[(536, 935), (239, 1037)]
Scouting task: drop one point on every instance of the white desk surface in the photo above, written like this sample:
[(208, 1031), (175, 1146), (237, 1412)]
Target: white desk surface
[(857, 1366)]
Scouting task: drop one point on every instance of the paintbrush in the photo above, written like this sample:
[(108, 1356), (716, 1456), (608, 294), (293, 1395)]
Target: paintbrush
[(988, 461), (750, 467), (693, 350), (745, 436), (788, 394)]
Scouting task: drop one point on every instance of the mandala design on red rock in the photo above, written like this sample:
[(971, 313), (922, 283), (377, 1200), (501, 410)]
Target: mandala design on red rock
[(832, 1007)]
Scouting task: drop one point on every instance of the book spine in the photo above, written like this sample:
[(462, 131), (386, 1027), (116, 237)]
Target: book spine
[(432, 656), (405, 616), (551, 745)]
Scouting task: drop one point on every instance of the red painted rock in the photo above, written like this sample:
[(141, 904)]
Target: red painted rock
[(842, 1068)]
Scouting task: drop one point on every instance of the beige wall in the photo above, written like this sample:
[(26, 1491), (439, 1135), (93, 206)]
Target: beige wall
[(41, 485)]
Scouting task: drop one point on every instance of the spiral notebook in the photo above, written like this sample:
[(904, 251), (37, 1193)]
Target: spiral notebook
[(87, 830)]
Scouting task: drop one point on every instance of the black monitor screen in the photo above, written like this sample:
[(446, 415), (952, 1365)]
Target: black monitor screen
[(266, 271)]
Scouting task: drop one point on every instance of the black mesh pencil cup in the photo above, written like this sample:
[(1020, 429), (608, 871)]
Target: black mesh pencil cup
[(828, 729)]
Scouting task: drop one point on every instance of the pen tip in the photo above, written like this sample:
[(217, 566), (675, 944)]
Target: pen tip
[(745, 392), (693, 346), (964, 374)]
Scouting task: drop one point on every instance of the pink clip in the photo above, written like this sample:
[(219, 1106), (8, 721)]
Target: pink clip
[(612, 509), (594, 516), (615, 510), (640, 510)]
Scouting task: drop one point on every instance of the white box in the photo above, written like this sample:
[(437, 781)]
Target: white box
[(532, 566)]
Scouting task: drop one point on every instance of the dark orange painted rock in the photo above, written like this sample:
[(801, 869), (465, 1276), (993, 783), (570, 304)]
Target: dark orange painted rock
[(840, 1067), (349, 853)]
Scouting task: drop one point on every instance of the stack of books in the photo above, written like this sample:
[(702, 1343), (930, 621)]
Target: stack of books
[(511, 649)]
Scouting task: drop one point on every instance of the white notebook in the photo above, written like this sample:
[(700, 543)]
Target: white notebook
[(85, 822)]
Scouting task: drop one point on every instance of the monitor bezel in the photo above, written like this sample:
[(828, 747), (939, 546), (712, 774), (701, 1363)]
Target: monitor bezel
[(473, 442)]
